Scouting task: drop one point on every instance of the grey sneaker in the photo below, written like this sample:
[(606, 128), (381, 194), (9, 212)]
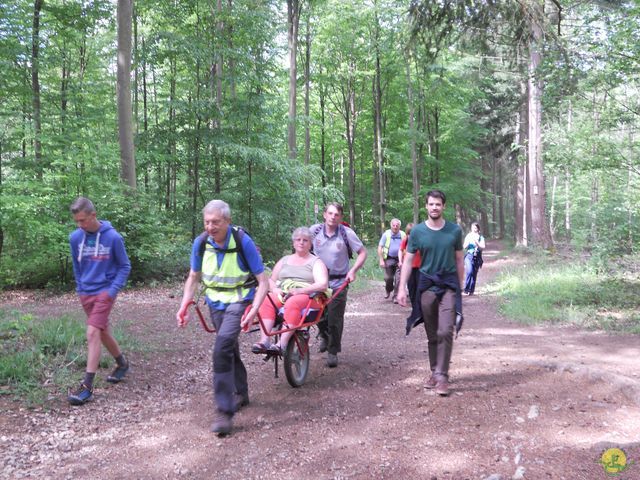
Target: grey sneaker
[(332, 360), (322, 344), (118, 373), (81, 395), (222, 424)]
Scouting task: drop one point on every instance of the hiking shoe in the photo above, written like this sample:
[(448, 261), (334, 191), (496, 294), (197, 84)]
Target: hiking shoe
[(118, 373), (431, 383), (222, 424), (332, 360), (322, 345), (260, 347), (80, 396), (275, 349), (240, 400), (442, 388)]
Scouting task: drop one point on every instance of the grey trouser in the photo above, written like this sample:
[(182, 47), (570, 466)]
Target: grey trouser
[(439, 321), (229, 373), (332, 322), (391, 276)]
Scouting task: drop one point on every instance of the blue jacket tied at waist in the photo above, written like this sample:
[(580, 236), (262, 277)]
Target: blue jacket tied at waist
[(441, 281)]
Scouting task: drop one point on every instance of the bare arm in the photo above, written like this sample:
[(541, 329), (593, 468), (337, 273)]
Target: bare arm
[(193, 280), (404, 277), (481, 243), (275, 273), (380, 256)]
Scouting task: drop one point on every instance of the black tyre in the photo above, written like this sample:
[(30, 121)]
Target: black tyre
[(296, 363)]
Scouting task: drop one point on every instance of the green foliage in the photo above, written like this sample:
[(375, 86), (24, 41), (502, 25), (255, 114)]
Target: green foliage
[(549, 289), (40, 356), (466, 67)]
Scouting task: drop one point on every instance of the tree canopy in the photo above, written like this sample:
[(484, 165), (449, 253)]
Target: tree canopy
[(401, 98)]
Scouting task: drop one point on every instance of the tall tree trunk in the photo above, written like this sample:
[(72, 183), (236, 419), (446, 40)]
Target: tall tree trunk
[(125, 130), (567, 180), (414, 154), (172, 129), (145, 112), (64, 86), (293, 20), (541, 235), (377, 124), (552, 209), (500, 193), (521, 190), (35, 87), (322, 94), (216, 91), (307, 92), (350, 117), (232, 62), (136, 61), (484, 187), (1, 230)]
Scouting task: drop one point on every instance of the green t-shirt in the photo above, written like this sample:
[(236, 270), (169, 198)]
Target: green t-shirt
[(437, 247)]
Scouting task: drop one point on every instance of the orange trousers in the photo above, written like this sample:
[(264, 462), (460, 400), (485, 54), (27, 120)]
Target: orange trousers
[(293, 307)]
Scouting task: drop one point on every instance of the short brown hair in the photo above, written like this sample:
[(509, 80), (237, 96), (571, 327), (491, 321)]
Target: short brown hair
[(337, 205), (82, 204), (435, 194)]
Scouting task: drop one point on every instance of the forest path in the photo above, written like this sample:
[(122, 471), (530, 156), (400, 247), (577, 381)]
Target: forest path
[(526, 402)]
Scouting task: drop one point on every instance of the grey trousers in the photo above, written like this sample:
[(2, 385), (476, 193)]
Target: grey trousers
[(439, 322), (229, 373), (391, 276)]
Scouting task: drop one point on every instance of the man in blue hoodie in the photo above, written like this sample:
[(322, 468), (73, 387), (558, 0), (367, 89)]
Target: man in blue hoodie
[(101, 267)]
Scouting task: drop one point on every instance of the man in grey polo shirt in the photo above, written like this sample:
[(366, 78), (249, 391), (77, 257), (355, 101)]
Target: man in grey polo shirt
[(333, 243)]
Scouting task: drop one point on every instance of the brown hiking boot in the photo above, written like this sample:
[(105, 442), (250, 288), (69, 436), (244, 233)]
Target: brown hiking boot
[(222, 425), (431, 383), (442, 388)]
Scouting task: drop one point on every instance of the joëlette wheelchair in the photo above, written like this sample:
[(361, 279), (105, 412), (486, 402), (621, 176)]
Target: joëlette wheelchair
[(296, 356)]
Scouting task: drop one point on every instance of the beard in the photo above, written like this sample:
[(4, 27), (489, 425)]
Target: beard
[(435, 216)]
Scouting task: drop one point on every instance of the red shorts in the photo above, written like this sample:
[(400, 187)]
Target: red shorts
[(97, 307)]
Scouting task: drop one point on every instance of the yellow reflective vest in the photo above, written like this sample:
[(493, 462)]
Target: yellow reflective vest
[(224, 283), (387, 242)]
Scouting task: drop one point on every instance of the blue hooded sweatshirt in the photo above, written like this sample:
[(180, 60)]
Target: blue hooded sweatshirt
[(100, 261)]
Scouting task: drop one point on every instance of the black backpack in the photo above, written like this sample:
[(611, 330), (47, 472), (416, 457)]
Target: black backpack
[(238, 234)]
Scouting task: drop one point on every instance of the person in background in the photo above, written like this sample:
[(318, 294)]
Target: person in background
[(229, 265), (332, 243), (473, 246), (388, 248), (412, 282), (101, 268), (294, 280), (441, 279)]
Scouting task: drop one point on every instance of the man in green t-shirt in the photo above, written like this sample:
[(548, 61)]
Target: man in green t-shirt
[(441, 277)]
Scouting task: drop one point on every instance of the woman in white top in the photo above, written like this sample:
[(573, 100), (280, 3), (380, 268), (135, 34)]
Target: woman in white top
[(473, 246)]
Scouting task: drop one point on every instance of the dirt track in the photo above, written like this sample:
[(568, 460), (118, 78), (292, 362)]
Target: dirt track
[(534, 403)]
